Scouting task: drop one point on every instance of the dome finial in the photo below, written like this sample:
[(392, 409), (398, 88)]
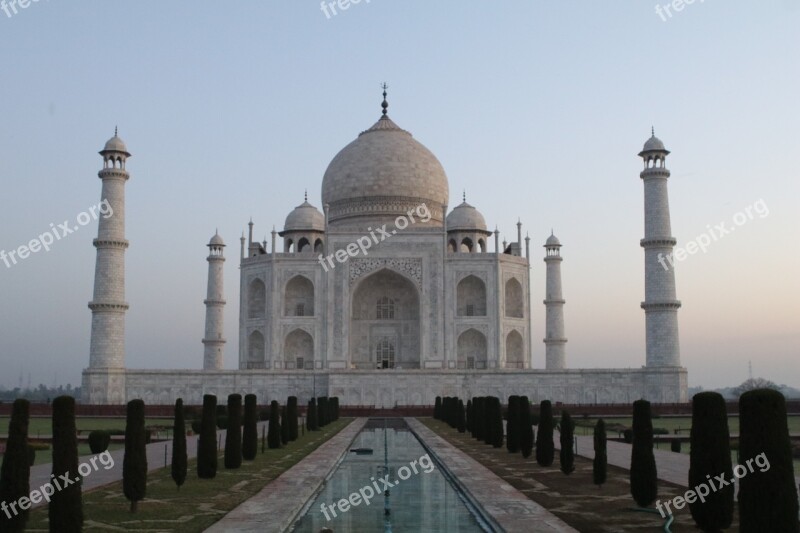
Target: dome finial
[(384, 104), (464, 196), (305, 196), (115, 131), (652, 131)]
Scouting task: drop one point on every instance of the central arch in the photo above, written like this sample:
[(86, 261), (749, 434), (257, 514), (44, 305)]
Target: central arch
[(385, 312)]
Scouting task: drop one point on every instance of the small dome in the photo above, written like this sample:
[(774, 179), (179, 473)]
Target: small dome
[(654, 144), (305, 217), (115, 144), (216, 240), (552, 240), (465, 217)]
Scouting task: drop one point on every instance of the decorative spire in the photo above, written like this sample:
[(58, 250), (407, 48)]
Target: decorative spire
[(305, 196), (464, 196), (652, 131), (115, 131), (384, 104)]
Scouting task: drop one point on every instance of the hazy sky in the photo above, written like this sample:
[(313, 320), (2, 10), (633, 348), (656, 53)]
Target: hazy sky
[(537, 109)]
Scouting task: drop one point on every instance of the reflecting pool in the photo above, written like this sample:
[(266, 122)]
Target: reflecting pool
[(420, 499)]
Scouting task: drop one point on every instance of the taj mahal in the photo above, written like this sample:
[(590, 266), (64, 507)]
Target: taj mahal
[(385, 296)]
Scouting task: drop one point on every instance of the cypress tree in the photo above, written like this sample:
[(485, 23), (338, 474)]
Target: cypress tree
[(291, 408), (525, 425), (250, 428), (274, 433), (486, 426), (498, 433), (545, 448), (65, 511), (207, 440), (233, 435), (15, 472), (600, 461), (468, 423), (513, 427), (437, 408), (767, 493), (134, 464), (710, 455), (179, 456), (462, 421), (643, 474), (311, 416), (488, 423), (566, 455), (284, 426)]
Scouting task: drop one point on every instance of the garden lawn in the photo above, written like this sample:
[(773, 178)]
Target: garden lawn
[(200, 502)]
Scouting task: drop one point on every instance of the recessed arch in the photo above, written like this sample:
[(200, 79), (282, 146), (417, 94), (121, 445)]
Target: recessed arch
[(471, 349), (256, 299), (385, 304), (299, 297), (255, 348), (515, 307), (298, 350), (466, 245), (471, 297), (515, 353)]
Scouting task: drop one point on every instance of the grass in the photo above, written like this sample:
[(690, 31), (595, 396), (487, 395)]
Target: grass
[(43, 425), (200, 502)]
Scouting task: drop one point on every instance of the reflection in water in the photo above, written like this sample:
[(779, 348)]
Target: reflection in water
[(420, 498)]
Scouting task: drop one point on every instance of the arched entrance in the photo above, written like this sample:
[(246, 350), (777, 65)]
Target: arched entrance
[(385, 328)]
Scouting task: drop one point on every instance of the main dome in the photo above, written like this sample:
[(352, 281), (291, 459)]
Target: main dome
[(381, 175)]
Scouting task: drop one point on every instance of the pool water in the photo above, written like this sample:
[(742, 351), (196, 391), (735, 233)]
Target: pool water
[(423, 501)]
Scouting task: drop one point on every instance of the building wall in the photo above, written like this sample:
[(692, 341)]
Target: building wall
[(392, 387)]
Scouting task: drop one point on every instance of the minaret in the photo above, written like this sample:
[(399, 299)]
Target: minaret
[(215, 306), (554, 341), (107, 345), (660, 303)]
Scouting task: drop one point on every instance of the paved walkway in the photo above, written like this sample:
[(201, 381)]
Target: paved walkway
[(507, 508), (112, 471), (276, 507)]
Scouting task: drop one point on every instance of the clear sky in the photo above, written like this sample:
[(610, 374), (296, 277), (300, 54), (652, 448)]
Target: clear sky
[(536, 109)]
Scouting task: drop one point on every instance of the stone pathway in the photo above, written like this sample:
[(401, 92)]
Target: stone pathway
[(277, 506), (508, 508)]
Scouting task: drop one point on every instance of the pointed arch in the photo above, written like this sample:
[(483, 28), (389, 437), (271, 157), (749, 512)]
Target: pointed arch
[(298, 350), (256, 299), (299, 297), (255, 350), (515, 302), (515, 351), (471, 297), (471, 349)]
